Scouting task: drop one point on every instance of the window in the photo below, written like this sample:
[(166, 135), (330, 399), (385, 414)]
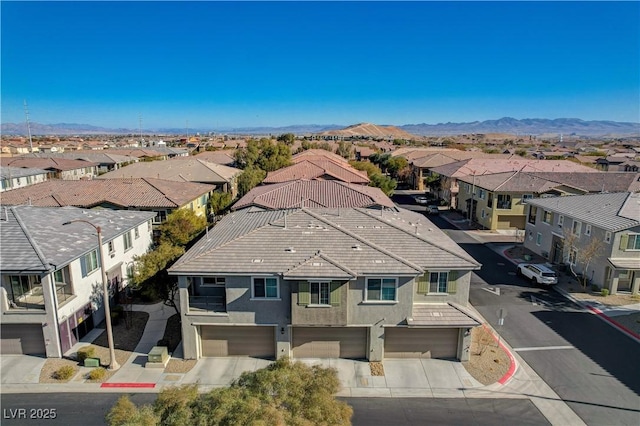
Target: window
[(630, 242), (482, 213), (213, 282), (62, 282), (265, 288), (538, 239), (89, 263), (110, 247), (127, 240), (576, 228), (482, 193), (381, 289), (607, 237), (504, 201), (526, 197), (587, 230), (160, 217), (24, 292), (560, 221), (547, 217), (137, 233), (533, 210), (438, 282), (319, 293), (573, 256), (490, 200)]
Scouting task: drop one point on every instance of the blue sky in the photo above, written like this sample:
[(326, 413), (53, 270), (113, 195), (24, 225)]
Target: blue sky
[(217, 64)]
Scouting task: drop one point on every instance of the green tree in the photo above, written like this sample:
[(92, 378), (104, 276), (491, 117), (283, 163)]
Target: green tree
[(219, 201), (182, 226), (385, 183), (249, 178), (125, 413), (366, 166), (284, 393), (149, 264), (274, 156), (287, 138), (395, 164), (345, 149)]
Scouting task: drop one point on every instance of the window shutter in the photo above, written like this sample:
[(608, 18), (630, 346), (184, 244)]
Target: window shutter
[(83, 266), (453, 283), (423, 283), (335, 293), (624, 240), (304, 296)]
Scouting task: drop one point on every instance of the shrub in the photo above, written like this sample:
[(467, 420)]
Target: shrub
[(64, 373), (604, 292), (97, 374), (86, 352)]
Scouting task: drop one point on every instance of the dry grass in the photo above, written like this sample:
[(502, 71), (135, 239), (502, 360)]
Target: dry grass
[(488, 362)]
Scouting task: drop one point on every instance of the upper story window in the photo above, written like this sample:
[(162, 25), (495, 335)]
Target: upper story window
[(265, 288), (137, 233), (560, 220), (630, 242), (533, 211), (381, 289), (504, 201), (127, 240), (576, 228), (319, 293), (110, 247), (607, 237), (526, 197), (482, 193), (587, 230), (547, 217), (538, 239), (490, 200), (89, 262), (213, 281), (24, 291), (438, 282)]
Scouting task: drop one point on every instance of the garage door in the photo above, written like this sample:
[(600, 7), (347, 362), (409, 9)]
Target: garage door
[(238, 341), (330, 342), (420, 343), (21, 339)]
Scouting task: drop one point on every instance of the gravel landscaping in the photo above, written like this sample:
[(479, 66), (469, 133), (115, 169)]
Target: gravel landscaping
[(488, 362)]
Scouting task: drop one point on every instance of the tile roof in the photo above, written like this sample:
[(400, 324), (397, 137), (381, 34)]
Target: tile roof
[(62, 164), (34, 238), (155, 151), (218, 157), (358, 241), (442, 315), (480, 166), (181, 169), (313, 193), (318, 154), (318, 169), (612, 212), (135, 193), (9, 172), (104, 157), (439, 159)]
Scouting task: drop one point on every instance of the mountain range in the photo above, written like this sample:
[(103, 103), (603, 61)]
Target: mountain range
[(527, 126)]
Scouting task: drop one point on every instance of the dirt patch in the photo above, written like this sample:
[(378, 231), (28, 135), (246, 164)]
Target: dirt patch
[(180, 365), (488, 362), (377, 369), (52, 365)]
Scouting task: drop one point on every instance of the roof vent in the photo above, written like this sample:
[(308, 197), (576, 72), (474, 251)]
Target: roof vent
[(378, 261), (257, 260), (356, 247), (290, 250)]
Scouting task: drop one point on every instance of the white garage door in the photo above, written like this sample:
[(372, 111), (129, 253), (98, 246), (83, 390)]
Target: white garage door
[(18, 339), (238, 341), (420, 343), (330, 342)]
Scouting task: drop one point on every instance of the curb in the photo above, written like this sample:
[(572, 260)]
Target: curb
[(128, 385), (513, 367)]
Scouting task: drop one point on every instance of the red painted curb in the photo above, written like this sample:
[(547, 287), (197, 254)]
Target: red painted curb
[(128, 385), (615, 323), (512, 367)]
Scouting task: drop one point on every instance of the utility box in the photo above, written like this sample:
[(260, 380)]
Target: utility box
[(91, 362), (158, 357)]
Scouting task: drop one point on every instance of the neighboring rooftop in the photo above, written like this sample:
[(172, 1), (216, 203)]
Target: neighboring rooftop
[(124, 193), (60, 164), (314, 193), (481, 166), (100, 157), (218, 157), (8, 172), (318, 168)]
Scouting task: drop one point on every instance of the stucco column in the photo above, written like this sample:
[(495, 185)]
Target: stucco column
[(376, 342), (464, 344), (614, 283), (283, 340), (189, 332), (635, 285), (50, 329)]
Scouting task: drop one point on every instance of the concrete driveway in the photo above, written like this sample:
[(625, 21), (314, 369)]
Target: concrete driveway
[(20, 369)]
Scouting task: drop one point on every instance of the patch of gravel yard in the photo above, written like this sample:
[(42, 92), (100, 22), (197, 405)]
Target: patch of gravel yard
[(377, 369), (180, 366), (125, 340), (488, 362)]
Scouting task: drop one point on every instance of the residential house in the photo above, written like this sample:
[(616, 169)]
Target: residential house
[(561, 228), (51, 293), (106, 160), (159, 196), (318, 165), (499, 199), (450, 173), (325, 283), (314, 193), (151, 153), (218, 157), (60, 168), (18, 177), (182, 169)]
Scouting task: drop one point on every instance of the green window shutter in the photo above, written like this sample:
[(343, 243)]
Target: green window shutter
[(335, 293), (624, 240), (423, 283), (304, 296), (453, 283)]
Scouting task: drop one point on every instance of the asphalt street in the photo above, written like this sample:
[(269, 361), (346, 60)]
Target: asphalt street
[(75, 409)]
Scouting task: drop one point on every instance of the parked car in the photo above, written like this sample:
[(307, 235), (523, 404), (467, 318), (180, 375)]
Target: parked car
[(433, 209), (421, 199), (538, 273)]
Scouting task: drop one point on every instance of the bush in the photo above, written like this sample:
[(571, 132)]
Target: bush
[(97, 374), (604, 292), (64, 373), (594, 287), (86, 352)]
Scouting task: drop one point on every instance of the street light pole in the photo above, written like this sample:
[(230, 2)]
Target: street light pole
[(113, 365)]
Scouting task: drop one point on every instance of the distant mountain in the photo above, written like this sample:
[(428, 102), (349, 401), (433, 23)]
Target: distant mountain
[(373, 130), (528, 126)]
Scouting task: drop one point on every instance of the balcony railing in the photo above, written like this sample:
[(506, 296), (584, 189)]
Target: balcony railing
[(208, 303)]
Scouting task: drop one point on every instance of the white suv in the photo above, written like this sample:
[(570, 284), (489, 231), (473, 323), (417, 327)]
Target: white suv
[(537, 273)]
